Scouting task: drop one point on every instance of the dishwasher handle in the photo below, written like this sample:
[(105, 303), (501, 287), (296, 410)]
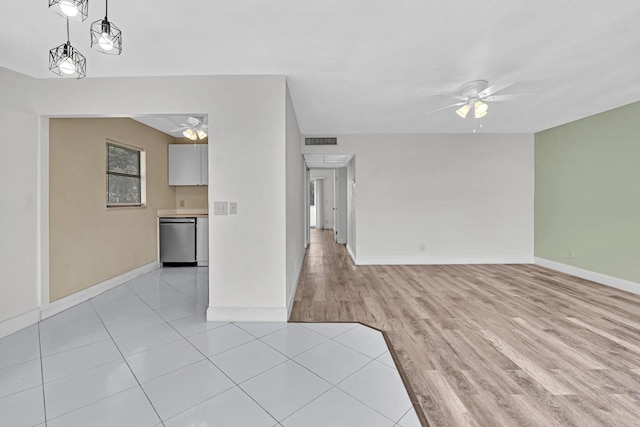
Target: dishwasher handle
[(177, 220)]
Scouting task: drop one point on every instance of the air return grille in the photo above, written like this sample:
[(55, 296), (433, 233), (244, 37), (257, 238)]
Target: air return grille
[(321, 141)]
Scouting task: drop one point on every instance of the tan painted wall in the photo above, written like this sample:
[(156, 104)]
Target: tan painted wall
[(192, 197), (88, 242)]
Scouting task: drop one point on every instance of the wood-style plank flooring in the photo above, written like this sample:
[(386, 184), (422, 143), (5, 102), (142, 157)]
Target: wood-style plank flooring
[(489, 345)]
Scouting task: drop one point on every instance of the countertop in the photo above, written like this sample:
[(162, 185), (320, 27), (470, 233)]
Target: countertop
[(182, 213)]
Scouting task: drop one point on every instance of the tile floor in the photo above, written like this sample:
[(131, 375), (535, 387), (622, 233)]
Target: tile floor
[(142, 354)]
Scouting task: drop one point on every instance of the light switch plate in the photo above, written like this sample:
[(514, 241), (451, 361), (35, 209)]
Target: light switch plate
[(233, 208), (220, 208)]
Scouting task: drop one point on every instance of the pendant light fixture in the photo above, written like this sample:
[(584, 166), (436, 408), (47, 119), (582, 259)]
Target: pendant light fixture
[(66, 61), (105, 36), (76, 10)]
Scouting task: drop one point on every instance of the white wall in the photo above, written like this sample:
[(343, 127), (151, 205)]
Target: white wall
[(341, 212), (19, 291), (295, 201), (327, 196), (425, 199), (248, 265), (351, 207)]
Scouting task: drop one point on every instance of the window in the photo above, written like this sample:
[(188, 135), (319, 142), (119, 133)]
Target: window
[(125, 173)]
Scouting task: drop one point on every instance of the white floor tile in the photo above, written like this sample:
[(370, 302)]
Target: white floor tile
[(335, 408), (232, 408), (247, 360), (129, 408), (25, 408), (146, 339), (143, 320), (193, 325), (387, 360), (20, 377), (80, 359), (285, 388), (293, 340), (20, 347), (260, 329), (365, 340), (79, 314), (410, 419), (56, 339), (173, 393), (220, 339), (332, 361), (329, 330), (380, 387), (76, 391), (181, 309), (159, 361)]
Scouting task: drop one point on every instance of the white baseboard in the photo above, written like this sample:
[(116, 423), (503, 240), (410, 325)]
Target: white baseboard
[(603, 279), (247, 314), (21, 321), (95, 290), (430, 260), (350, 252)]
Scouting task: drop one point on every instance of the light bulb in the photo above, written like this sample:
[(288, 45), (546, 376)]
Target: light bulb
[(69, 8), (480, 109), (106, 42), (67, 66), (462, 111), (191, 134), (201, 134)]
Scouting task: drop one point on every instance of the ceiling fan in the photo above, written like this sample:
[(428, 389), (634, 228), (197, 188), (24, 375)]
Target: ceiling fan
[(194, 129), (476, 94)]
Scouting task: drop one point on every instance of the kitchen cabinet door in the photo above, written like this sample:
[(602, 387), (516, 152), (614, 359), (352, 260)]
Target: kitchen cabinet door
[(185, 164), (204, 162)]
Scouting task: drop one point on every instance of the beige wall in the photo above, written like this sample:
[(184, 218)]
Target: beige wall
[(88, 242), (192, 197)]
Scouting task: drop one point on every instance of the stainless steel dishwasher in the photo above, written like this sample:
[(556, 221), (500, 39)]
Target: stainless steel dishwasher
[(178, 240)]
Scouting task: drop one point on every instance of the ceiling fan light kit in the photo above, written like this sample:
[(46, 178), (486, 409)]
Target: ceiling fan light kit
[(65, 60), (477, 94), (194, 129)]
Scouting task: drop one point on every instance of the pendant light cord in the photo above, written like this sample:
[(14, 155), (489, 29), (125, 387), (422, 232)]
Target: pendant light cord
[(106, 9), (68, 39)]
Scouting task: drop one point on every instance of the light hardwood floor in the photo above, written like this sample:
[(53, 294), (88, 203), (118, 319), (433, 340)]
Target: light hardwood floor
[(489, 345)]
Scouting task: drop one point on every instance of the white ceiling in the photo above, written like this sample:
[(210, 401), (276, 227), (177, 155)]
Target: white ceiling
[(367, 66)]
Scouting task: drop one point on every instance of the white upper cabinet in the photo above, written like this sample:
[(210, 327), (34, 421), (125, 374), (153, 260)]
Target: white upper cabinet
[(188, 164)]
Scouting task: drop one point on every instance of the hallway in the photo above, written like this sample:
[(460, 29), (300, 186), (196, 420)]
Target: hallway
[(489, 345)]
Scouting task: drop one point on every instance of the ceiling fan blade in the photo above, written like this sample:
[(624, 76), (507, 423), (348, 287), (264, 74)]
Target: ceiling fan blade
[(180, 128), (493, 89), (500, 98), (451, 96), (458, 104)]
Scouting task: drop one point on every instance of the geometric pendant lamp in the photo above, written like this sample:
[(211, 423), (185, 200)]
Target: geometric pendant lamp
[(76, 10), (66, 61), (105, 36)]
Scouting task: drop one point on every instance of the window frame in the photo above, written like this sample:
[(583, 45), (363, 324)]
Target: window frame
[(141, 176)]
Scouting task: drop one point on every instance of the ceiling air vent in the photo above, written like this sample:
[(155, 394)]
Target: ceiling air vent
[(321, 141)]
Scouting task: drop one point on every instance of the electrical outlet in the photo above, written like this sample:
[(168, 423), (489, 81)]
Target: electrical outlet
[(572, 253), (233, 208), (182, 203)]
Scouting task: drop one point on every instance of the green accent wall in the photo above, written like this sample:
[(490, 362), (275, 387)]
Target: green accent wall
[(587, 194)]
